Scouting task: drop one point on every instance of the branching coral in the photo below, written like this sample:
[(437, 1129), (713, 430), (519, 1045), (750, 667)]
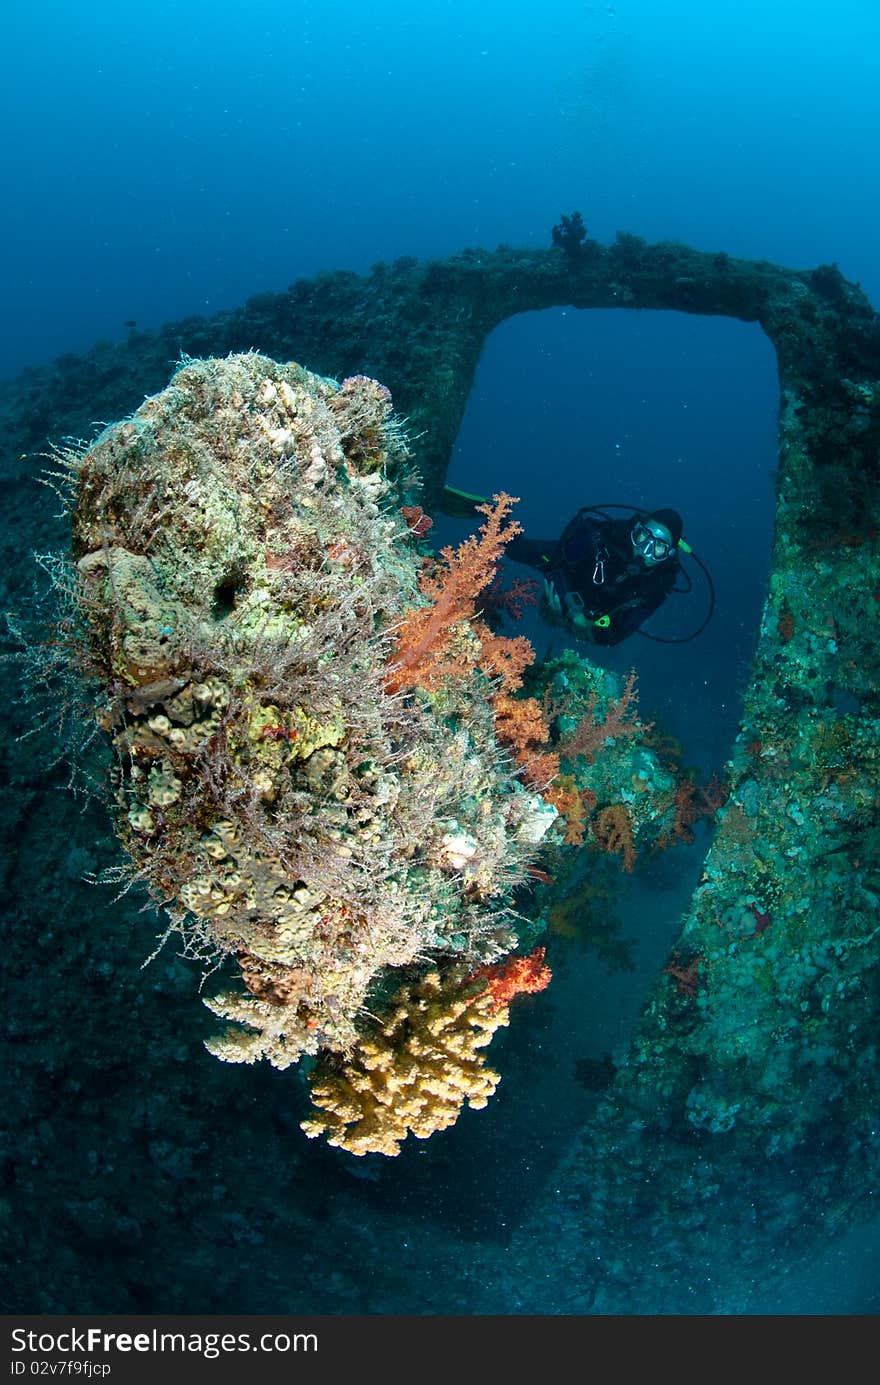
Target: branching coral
[(422, 1062), (413, 1074)]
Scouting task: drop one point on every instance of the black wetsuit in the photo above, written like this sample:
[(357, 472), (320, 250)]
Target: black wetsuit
[(594, 558)]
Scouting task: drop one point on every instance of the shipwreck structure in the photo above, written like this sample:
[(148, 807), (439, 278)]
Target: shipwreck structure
[(755, 1067)]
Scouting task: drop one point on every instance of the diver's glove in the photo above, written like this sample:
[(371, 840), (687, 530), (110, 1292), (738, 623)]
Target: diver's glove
[(567, 610), (576, 617), (551, 606)]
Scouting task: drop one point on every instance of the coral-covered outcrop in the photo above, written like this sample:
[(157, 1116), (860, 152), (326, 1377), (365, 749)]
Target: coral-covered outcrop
[(243, 585)]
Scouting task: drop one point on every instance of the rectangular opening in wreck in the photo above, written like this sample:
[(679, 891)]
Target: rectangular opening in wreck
[(650, 409)]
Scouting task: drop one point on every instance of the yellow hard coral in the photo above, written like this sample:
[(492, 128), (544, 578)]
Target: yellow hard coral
[(413, 1075)]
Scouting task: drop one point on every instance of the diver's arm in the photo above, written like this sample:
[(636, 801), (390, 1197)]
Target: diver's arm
[(631, 617), (536, 553), (623, 623)]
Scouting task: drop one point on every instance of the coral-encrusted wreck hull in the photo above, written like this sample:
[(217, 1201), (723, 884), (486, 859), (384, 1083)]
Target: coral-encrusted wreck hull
[(731, 1081)]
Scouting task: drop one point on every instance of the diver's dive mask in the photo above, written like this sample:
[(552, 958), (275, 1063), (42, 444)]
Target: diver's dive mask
[(651, 541)]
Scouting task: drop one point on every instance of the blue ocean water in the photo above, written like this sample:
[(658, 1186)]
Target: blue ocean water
[(164, 160)]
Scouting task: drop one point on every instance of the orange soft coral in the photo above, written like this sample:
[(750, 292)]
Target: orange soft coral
[(519, 721), (520, 724), (505, 657), (571, 803), (425, 652)]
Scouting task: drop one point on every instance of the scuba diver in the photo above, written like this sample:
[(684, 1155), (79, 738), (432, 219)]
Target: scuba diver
[(603, 577)]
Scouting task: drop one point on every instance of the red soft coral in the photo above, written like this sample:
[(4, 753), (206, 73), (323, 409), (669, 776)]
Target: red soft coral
[(619, 722), (516, 976)]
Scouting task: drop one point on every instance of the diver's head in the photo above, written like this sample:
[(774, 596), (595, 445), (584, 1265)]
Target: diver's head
[(655, 537)]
